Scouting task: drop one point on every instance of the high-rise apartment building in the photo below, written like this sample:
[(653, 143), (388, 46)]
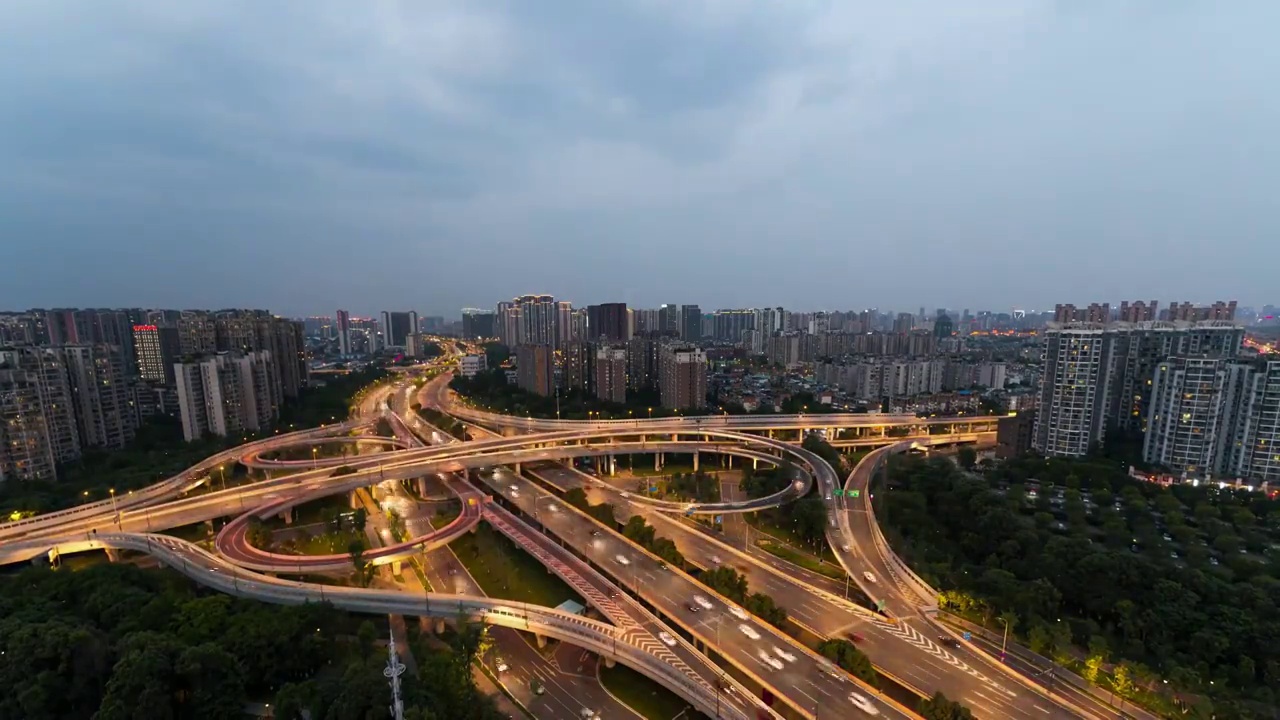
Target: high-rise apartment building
[(1188, 414), (26, 452), (1073, 390), (682, 377), (48, 367), (669, 320), (611, 374), (535, 368), (537, 320), (608, 321), (226, 394), (564, 323), (729, 325), (396, 327), (509, 323), (156, 349), (1252, 445), (106, 415), (343, 323), (577, 366), (642, 362), (1100, 375)]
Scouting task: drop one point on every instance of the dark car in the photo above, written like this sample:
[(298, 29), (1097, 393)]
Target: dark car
[(693, 608), (948, 641), (856, 639)]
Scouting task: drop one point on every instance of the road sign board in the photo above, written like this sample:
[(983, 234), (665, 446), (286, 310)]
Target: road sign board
[(968, 635), (719, 519), (839, 493), (855, 493)]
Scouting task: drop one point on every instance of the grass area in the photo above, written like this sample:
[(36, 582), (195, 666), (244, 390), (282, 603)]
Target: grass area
[(644, 695), (785, 535), (322, 544), (646, 469), (804, 560), (444, 517), (505, 571)]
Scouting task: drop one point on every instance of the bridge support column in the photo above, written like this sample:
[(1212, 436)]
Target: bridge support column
[(542, 640), (422, 486), (755, 463), (287, 516), (439, 626), (355, 501), (695, 461), (613, 465), (517, 468), (610, 662), (396, 566), (657, 462), (113, 555)]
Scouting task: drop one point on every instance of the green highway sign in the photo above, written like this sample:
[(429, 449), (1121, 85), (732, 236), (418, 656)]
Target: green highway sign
[(855, 493)]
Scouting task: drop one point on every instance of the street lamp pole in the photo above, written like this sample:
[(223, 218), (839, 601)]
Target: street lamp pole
[(1004, 643), (115, 510)]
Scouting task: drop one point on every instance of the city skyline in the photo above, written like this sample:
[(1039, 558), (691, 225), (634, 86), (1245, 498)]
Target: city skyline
[(854, 155)]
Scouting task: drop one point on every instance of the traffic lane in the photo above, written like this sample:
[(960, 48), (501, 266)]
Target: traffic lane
[(802, 680), (447, 574), (531, 499), (931, 667), (1037, 675)]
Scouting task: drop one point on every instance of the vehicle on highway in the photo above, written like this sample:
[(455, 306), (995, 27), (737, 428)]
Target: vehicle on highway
[(692, 607), (856, 639), (862, 703), (622, 559), (749, 631), (595, 533), (846, 548), (869, 577), (626, 494), (500, 665), (663, 566), (589, 714), (738, 612), (769, 660), (537, 686), (553, 507), (716, 560), (948, 641), (666, 639), (705, 603), (828, 496), (784, 654)]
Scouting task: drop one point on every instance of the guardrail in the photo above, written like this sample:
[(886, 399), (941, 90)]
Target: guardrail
[(601, 638), (173, 485)]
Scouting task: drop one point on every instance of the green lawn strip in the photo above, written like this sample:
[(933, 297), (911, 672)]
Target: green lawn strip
[(443, 517), (784, 534), (804, 560), (505, 571), (643, 695)]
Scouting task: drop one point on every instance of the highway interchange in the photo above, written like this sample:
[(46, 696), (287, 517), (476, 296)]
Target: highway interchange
[(587, 555)]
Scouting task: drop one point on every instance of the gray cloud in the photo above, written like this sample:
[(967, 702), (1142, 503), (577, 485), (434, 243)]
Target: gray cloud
[(816, 154)]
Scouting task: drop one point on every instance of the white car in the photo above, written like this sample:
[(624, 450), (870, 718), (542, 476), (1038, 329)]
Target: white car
[(828, 496), (666, 639), (749, 631), (500, 665), (846, 548), (716, 560), (626, 494), (589, 714), (869, 577), (862, 703), (785, 655), (553, 507), (622, 559), (769, 660), (738, 612), (705, 603)]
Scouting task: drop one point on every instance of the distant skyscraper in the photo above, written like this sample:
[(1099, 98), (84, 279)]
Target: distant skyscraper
[(396, 327), (690, 323), (669, 319), (26, 451), (537, 320), (343, 322), (608, 321), (478, 323), (104, 405)]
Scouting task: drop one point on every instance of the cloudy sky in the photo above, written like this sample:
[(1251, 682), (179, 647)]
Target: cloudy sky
[(304, 155)]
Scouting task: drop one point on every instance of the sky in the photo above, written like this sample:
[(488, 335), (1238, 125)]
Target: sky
[(434, 155)]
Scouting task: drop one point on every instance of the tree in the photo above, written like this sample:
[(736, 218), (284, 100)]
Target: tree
[(1096, 658), (366, 635), (359, 519), (847, 656), (763, 607), (363, 568), (967, 457), (939, 707), (727, 582)]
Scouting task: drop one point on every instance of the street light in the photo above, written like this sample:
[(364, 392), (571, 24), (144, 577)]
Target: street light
[(114, 509), (1004, 643)]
